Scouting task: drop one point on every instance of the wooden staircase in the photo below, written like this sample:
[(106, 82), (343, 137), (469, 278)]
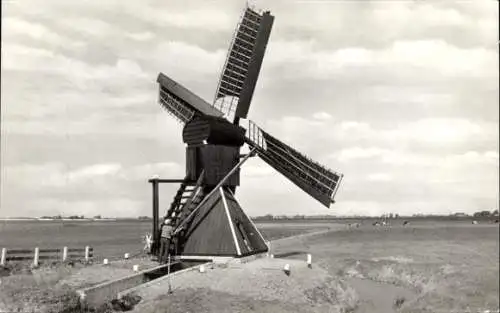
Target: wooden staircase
[(185, 200)]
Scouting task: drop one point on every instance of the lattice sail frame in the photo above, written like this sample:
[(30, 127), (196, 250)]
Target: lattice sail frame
[(174, 106), (315, 179), (180, 102), (237, 62)]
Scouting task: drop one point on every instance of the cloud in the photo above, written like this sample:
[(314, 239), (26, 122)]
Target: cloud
[(93, 171), (440, 131), (46, 175), (464, 23), (63, 175), (195, 18), (22, 58), (427, 134), (404, 157), (163, 170), (175, 56), (379, 177), (262, 170), (359, 153), (14, 26), (303, 59), (89, 26), (144, 36), (322, 116)]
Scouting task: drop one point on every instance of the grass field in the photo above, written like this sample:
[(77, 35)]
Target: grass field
[(452, 267), (444, 266)]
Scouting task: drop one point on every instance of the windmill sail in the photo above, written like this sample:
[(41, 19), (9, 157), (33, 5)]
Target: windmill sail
[(180, 102), (315, 179), (243, 62)]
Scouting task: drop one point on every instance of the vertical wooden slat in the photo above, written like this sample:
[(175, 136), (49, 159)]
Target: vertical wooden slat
[(156, 234)]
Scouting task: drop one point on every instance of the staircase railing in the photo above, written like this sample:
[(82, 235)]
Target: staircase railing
[(177, 198), (181, 209)]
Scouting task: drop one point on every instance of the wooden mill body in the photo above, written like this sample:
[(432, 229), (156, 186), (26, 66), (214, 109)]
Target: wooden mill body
[(213, 146)]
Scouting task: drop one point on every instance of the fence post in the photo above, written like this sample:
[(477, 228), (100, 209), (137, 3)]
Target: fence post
[(4, 257), (65, 254), (87, 253), (37, 255)]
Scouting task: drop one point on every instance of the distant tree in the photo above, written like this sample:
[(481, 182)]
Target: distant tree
[(482, 214), (97, 217), (396, 215), (494, 213), (391, 215)]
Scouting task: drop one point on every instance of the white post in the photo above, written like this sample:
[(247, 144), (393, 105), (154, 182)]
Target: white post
[(135, 268), (37, 255), (87, 253), (286, 269), (126, 256), (309, 260), (105, 261), (4, 257), (168, 275), (65, 254)]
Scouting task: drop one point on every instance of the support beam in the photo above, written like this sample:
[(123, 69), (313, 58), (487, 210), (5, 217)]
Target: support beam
[(159, 180), (156, 234), (245, 154), (230, 221)]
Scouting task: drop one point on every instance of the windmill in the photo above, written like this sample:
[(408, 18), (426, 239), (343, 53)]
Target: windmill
[(207, 217)]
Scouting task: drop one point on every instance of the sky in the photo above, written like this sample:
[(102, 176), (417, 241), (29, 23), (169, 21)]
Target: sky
[(399, 96)]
